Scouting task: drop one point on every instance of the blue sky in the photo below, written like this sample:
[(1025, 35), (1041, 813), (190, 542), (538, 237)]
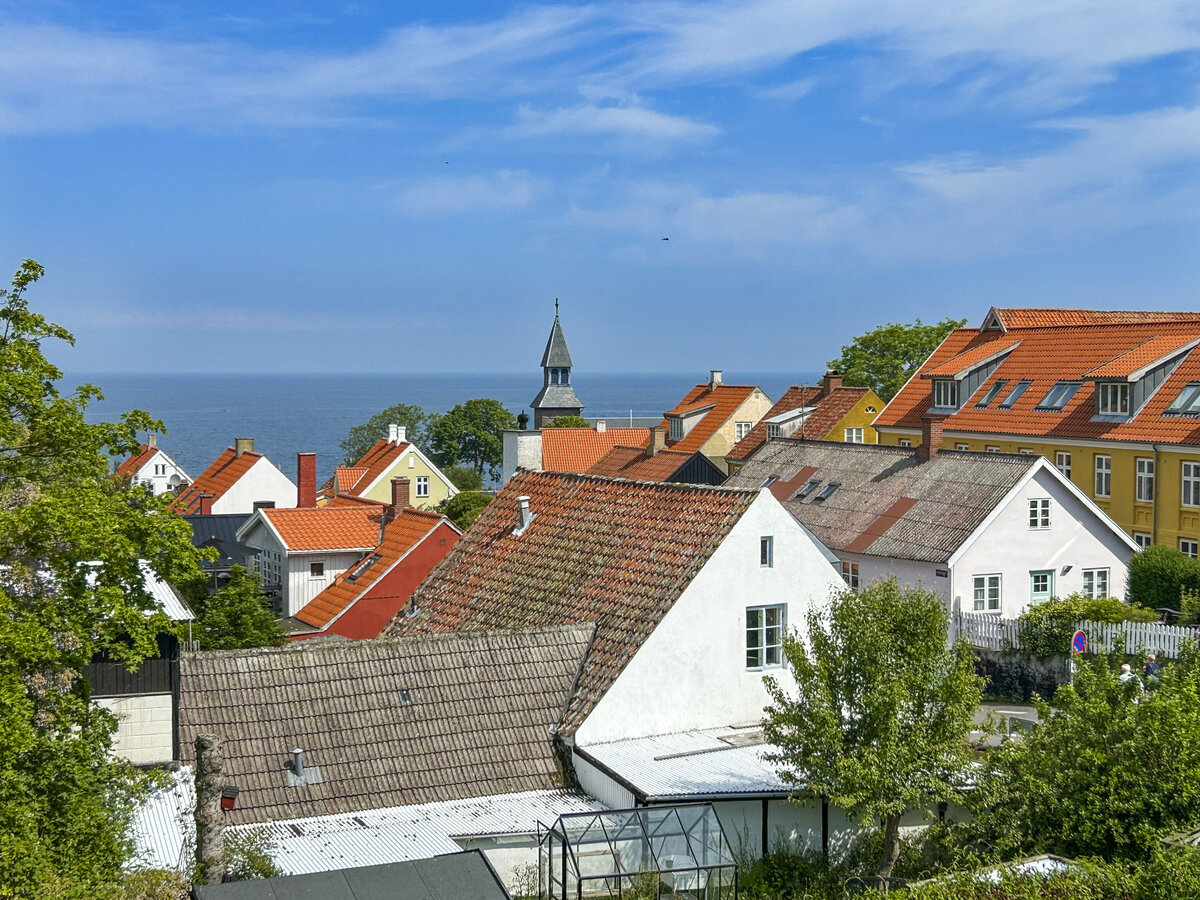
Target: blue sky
[(377, 186)]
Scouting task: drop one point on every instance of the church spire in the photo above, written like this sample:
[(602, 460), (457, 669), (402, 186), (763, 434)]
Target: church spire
[(557, 397)]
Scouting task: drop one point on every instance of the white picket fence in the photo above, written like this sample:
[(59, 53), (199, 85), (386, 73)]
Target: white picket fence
[(993, 633)]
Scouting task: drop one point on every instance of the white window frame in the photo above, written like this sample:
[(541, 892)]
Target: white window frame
[(1103, 470), (1039, 512), (1144, 481), (987, 592), (422, 486), (945, 393), (1062, 462), (853, 436), (905, 442), (1189, 546), (1095, 582), (766, 551), (992, 448), (741, 429), (764, 639), (961, 446), (772, 430), (850, 574), (1035, 596), (1143, 539), (1189, 482), (1112, 398), (313, 567)]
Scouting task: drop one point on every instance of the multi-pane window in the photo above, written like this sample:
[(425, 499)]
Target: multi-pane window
[(1142, 539), (1039, 512), (766, 551), (1112, 398), (962, 446), (854, 435), (1041, 586), (1190, 493), (741, 429), (850, 574), (316, 570), (1189, 547), (991, 448), (1095, 582), (1145, 480), (422, 485), (772, 430), (945, 394), (987, 593), (676, 429), (1187, 403), (764, 636), (1062, 462), (1103, 475), (905, 442)]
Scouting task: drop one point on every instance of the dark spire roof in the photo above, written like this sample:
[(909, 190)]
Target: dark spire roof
[(557, 354)]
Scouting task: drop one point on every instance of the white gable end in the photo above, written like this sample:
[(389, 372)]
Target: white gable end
[(261, 482)]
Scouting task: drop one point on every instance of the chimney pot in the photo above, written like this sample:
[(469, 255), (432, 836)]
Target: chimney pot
[(306, 480), (152, 440), (400, 495), (658, 440), (243, 445), (401, 434), (392, 433), (931, 437), (601, 426), (523, 420), (714, 378)]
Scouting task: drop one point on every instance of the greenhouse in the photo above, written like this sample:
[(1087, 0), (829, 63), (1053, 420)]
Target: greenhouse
[(649, 852)]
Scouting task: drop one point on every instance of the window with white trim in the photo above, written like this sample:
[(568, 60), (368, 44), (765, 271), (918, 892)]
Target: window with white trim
[(741, 429), (1189, 494), (1145, 480), (992, 448), (1142, 539), (1041, 586), (1062, 462), (1025, 451), (1095, 582), (1103, 475), (945, 394), (766, 551), (1039, 512), (1190, 547), (1112, 398), (764, 636), (316, 570), (850, 574), (905, 442), (962, 446), (772, 430), (854, 436), (422, 485), (986, 593)]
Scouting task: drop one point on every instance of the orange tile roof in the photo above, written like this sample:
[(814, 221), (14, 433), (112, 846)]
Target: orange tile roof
[(400, 535), (967, 360), (578, 449), (634, 464), (130, 467), (726, 399), (219, 477), (1025, 317), (352, 501), (1139, 357), (348, 477), (327, 527), (616, 553), (376, 461), (830, 409), (1056, 353)]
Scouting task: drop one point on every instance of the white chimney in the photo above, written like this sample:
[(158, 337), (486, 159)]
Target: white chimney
[(714, 378), (401, 434), (601, 426), (392, 433), (152, 440), (526, 517)]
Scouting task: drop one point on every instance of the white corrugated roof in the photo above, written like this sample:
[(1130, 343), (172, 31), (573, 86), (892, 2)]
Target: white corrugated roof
[(692, 763), (166, 598), (163, 829)]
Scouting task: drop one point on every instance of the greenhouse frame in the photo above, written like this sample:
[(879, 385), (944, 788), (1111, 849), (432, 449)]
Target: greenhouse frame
[(649, 852)]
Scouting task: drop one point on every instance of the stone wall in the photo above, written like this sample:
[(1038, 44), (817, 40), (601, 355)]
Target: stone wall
[(1015, 675)]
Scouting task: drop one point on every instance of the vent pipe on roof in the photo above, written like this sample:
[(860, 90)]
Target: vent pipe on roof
[(714, 378), (243, 445), (152, 440), (298, 763), (523, 420), (525, 516)]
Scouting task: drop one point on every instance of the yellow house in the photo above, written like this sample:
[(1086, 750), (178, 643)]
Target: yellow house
[(825, 412), (713, 417), (371, 477), (1112, 399)]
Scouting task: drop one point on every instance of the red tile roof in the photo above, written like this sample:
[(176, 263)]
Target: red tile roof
[(830, 409), (1052, 353), (375, 462), (347, 478), (725, 399), (400, 535), (327, 527), (1026, 317), (578, 449), (616, 553), (129, 467), (960, 365), (218, 478), (634, 464)]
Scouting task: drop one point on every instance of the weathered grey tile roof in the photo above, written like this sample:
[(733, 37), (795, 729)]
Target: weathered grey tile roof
[(888, 503), (556, 353), (604, 550), (388, 722)]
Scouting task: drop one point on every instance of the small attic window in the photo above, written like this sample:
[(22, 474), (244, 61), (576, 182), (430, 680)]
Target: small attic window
[(771, 479), (353, 576), (827, 491), (405, 697), (1059, 395), (806, 490), (1187, 403), (945, 394), (1015, 394), (676, 429), (992, 393)]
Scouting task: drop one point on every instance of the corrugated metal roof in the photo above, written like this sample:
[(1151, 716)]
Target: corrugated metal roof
[(164, 595), (692, 763), (163, 830)]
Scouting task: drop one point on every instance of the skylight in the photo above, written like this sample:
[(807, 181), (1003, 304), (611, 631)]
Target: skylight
[(1187, 403), (829, 489), (991, 394), (1015, 394), (771, 479), (354, 576), (1059, 395), (806, 490)]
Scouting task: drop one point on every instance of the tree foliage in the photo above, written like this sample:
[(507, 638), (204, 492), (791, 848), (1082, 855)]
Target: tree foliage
[(885, 357), (71, 537), (879, 720), (465, 478), (1108, 772), (361, 438), (1046, 628), (1160, 576), (464, 508), (567, 422), (471, 434), (236, 616)]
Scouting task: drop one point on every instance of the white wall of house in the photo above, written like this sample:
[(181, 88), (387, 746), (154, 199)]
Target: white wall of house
[(907, 571), (144, 730), (691, 671), (1079, 537), (263, 481), (301, 585), (161, 474)]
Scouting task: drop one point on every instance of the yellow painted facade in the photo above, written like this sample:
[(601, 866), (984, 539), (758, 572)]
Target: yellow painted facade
[(412, 466), (751, 410), (1164, 520), (861, 416)]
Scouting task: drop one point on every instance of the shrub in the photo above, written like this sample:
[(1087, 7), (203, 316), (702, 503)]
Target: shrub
[(1047, 628), (463, 509), (1158, 577)]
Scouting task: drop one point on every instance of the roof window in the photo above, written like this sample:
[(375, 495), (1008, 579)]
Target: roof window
[(1187, 403), (1015, 394), (992, 393), (806, 490), (828, 489), (1059, 395), (771, 479), (361, 570)]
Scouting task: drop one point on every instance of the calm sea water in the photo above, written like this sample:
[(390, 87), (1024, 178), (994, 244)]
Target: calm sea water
[(286, 414)]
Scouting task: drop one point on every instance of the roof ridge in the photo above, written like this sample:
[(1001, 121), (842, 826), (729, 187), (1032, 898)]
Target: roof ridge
[(665, 485)]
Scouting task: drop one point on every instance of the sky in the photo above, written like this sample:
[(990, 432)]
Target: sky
[(384, 186)]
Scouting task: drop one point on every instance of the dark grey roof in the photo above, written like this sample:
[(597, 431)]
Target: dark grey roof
[(932, 507), (388, 722), (556, 353), (557, 396), (220, 531), (456, 876)]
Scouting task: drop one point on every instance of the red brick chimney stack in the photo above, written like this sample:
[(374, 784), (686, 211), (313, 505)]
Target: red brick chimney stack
[(306, 480), (206, 502), (400, 497), (931, 437), (831, 382)]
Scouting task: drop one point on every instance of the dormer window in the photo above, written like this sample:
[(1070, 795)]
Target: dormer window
[(772, 430), (676, 430), (1112, 398), (945, 394)]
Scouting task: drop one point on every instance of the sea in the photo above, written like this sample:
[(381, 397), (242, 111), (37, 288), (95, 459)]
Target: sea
[(290, 413)]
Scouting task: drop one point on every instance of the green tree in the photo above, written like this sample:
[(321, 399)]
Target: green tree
[(470, 434), (71, 589), (236, 616), (463, 509), (1160, 576), (879, 720), (886, 357), (361, 438), (567, 422), (464, 478), (1108, 772)]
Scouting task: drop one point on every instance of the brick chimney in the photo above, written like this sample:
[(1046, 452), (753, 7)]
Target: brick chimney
[(831, 382), (206, 502), (658, 440), (400, 496), (152, 440), (243, 445), (714, 378), (931, 437), (306, 480)]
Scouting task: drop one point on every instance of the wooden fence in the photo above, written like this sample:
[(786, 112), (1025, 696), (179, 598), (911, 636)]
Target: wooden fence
[(993, 633)]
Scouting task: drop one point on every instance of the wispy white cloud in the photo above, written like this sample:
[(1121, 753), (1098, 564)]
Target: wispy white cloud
[(787, 91), (635, 122), (504, 191)]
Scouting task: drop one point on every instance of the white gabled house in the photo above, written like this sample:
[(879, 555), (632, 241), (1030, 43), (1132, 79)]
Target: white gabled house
[(988, 532), (238, 481), (153, 467)]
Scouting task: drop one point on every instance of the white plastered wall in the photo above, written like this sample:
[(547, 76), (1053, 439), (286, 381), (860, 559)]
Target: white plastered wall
[(522, 450), (261, 482), (908, 572), (144, 729)]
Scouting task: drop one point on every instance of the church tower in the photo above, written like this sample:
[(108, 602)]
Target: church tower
[(557, 397)]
